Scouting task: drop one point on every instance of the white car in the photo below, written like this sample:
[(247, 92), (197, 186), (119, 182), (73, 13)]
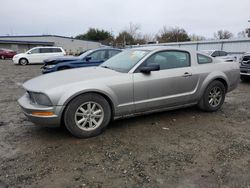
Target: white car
[(38, 55), (219, 54)]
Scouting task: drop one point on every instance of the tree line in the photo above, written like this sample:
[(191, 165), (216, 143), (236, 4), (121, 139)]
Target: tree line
[(132, 36)]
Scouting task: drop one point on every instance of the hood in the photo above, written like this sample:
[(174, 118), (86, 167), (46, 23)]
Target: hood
[(20, 54), (67, 77), (61, 59)]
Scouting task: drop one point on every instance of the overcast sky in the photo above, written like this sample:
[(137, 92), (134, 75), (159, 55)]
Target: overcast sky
[(72, 17)]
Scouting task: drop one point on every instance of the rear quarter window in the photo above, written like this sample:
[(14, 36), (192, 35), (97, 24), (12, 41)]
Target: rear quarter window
[(202, 59), (56, 50)]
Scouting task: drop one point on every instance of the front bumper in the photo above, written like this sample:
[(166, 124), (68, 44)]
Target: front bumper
[(245, 71), (15, 60), (45, 71), (49, 121)]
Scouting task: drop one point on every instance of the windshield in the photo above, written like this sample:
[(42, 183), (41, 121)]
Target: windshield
[(125, 61), (83, 55)]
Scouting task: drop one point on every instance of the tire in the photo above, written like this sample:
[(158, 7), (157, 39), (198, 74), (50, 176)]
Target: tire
[(244, 78), (23, 61), (2, 57), (83, 120), (213, 97)]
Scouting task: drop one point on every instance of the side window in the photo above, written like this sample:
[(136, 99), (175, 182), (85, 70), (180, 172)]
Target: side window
[(35, 51), (46, 50), (112, 53), (170, 59), (202, 59), (98, 55), (215, 54), (56, 50), (222, 53)]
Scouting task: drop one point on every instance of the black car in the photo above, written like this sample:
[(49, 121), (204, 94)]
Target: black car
[(89, 58), (245, 67)]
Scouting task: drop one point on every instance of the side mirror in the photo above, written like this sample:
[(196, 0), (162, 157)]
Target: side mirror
[(28, 52), (151, 67), (88, 58)]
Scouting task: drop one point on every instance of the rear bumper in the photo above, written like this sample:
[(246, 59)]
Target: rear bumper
[(49, 121)]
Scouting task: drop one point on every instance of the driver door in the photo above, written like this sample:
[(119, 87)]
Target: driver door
[(34, 55), (173, 85)]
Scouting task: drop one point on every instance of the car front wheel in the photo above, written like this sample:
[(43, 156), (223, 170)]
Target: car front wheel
[(244, 78), (213, 97), (23, 61), (87, 115)]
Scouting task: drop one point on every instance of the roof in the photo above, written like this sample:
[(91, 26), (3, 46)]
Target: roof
[(197, 42), (158, 47), (58, 36), (27, 42)]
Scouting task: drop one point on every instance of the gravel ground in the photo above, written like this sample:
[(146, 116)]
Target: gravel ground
[(181, 148)]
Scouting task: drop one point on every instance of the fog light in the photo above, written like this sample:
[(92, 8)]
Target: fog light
[(42, 113)]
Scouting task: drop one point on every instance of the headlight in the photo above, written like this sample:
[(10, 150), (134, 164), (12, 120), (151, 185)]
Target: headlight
[(39, 98), (49, 66)]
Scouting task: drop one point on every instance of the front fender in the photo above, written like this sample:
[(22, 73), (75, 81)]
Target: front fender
[(77, 90)]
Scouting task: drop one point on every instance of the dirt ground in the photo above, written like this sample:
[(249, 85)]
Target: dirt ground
[(181, 148)]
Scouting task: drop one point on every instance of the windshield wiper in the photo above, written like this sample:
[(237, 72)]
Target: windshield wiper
[(106, 67)]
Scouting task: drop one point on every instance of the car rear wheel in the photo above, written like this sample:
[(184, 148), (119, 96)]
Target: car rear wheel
[(213, 97), (23, 61), (87, 115)]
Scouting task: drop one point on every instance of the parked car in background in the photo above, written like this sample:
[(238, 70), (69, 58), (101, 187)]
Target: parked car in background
[(245, 67), (6, 53), (89, 58), (38, 55), (219, 54), (135, 81)]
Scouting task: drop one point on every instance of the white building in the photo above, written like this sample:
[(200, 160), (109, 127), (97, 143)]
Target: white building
[(232, 46), (24, 43)]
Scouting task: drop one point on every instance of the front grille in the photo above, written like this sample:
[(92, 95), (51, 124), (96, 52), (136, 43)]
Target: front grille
[(246, 62)]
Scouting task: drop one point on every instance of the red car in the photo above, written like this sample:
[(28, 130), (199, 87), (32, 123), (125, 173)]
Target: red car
[(6, 53)]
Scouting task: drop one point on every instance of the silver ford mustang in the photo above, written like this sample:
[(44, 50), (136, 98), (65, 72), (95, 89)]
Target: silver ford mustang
[(136, 81)]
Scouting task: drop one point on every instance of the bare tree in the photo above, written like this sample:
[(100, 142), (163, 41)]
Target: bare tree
[(242, 34), (195, 37), (133, 30), (223, 34), (245, 33), (149, 38), (172, 34)]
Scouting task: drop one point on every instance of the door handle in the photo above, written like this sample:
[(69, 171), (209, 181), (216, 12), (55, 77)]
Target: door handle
[(187, 74)]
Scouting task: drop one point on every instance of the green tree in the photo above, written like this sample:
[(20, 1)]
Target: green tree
[(124, 38), (172, 34), (97, 35)]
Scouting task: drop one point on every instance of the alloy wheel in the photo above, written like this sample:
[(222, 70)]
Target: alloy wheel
[(215, 96), (89, 116)]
